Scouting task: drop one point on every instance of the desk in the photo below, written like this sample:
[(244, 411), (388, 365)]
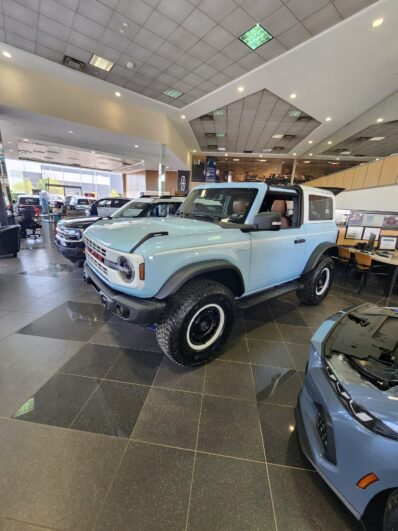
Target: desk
[(393, 261)]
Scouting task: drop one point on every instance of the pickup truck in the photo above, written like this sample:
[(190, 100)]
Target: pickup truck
[(230, 244)]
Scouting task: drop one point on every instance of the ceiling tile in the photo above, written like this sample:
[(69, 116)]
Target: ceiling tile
[(107, 52), (19, 12), (270, 50), (71, 4), (218, 9), (234, 70), (136, 53), (304, 8), (82, 41), (148, 39), (178, 71), (219, 61), (187, 98), (152, 3), (53, 28), (251, 61), (49, 41), (52, 55), (279, 21), (2, 22), (120, 71), (183, 38), (78, 53), (205, 71), (198, 23), (238, 22), (141, 80), (260, 10), (166, 78), (208, 86), (114, 40), (116, 24), (160, 24), (236, 50), (183, 86), (56, 11), (197, 92), (95, 11), (177, 10), (110, 3), (193, 79), (346, 8), (87, 27), (219, 38), (221, 79), (170, 52), (20, 42), (188, 61), (294, 36), (135, 10), (202, 50), (31, 4), (115, 79), (322, 19), (19, 28), (149, 71), (159, 62)]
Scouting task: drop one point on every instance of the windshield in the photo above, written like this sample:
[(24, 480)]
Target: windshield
[(229, 205), (82, 202), (29, 201), (130, 210)]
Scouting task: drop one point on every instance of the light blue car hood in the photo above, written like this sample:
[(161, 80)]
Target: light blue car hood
[(122, 235)]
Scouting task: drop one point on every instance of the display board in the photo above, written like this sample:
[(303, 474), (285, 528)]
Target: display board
[(356, 226)]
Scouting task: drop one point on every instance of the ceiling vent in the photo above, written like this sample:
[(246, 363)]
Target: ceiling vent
[(207, 118), (289, 137), (71, 62), (278, 148), (212, 147), (304, 118), (359, 155), (248, 151), (210, 135)]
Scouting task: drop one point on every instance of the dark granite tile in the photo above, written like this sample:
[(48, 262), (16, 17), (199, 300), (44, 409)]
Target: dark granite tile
[(227, 378), (135, 366), (260, 312), (272, 353), (302, 500), (295, 334), (238, 329), (276, 385), (118, 333), (230, 427), (258, 330), (150, 490), (279, 435), (230, 494), (299, 355), (170, 418), (93, 360), (286, 313), (72, 320), (292, 318), (314, 320), (113, 409), (173, 376), (58, 401), (235, 350)]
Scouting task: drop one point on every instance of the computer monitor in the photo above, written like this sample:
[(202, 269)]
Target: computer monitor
[(371, 242), (388, 243)]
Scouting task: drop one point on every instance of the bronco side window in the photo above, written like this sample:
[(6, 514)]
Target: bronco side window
[(287, 205)]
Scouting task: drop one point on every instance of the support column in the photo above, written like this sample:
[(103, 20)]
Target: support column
[(162, 170), (293, 171)]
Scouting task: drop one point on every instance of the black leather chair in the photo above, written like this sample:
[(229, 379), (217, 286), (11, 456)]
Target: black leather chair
[(9, 239)]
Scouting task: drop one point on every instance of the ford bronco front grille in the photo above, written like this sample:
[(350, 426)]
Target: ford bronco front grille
[(95, 248)]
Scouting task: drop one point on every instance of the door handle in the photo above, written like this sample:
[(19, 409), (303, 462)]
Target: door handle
[(301, 240)]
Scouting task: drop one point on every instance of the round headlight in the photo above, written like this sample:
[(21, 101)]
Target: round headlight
[(126, 269)]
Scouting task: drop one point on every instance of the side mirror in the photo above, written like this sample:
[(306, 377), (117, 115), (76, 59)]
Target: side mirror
[(267, 221)]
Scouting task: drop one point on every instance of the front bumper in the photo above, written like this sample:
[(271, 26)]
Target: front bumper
[(73, 251), (139, 311)]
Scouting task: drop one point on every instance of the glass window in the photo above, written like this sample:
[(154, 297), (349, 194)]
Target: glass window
[(320, 208), (130, 210), (29, 201), (82, 202)]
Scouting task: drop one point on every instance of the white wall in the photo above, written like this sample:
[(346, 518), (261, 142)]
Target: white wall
[(135, 184), (383, 199)]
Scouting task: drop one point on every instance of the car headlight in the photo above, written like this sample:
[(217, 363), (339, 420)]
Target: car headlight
[(358, 412), (73, 233), (126, 269)]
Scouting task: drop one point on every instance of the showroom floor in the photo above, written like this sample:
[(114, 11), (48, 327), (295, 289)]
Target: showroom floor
[(98, 430)]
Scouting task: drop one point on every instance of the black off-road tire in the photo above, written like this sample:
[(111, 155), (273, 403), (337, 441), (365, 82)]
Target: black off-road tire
[(391, 512), (313, 292), (174, 326)]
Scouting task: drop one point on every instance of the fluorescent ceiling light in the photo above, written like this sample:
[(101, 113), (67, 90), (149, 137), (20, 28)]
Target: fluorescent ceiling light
[(345, 153), (7, 54), (101, 63), (219, 112), (294, 113), (173, 93), (267, 150), (307, 162), (236, 160), (220, 134), (221, 149), (378, 22), (376, 138), (277, 135), (255, 37)]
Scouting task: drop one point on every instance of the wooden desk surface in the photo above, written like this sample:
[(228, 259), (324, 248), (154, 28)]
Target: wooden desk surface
[(377, 258)]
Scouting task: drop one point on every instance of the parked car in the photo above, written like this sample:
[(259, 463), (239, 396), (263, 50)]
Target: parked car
[(56, 200), (76, 202), (347, 414), (69, 233), (27, 202), (187, 273), (106, 206)]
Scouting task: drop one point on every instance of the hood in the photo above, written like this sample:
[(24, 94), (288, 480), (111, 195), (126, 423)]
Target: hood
[(78, 223), (122, 235)]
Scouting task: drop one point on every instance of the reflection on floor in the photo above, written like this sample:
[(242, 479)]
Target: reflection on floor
[(99, 430)]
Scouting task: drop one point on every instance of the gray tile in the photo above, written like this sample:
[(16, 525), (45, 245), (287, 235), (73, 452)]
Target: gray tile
[(112, 410), (160, 24), (158, 496), (230, 427), (276, 385), (227, 378), (230, 494), (136, 367), (50, 355), (178, 10), (198, 23), (260, 10), (304, 8), (272, 353), (295, 334), (172, 376), (299, 355), (14, 321), (322, 19), (260, 330), (93, 360), (16, 346), (120, 334), (235, 350), (170, 418), (279, 435), (291, 490)]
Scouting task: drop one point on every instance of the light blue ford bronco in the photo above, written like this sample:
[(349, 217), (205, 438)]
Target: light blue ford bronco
[(230, 244)]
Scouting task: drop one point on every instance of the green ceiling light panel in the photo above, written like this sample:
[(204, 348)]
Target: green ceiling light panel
[(221, 135), (219, 112), (255, 37), (173, 93), (294, 113)]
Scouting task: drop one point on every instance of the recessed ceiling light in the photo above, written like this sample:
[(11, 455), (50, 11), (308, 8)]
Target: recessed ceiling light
[(9, 142), (294, 154), (11, 151), (7, 54), (294, 112), (310, 141), (219, 112), (220, 134), (255, 37), (293, 96), (260, 156), (173, 93), (221, 149), (117, 94), (194, 151), (121, 31), (130, 65), (307, 162), (378, 22), (376, 138), (377, 159), (267, 150), (183, 116), (328, 119), (125, 25), (71, 132), (330, 142), (101, 63), (277, 135), (241, 89), (26, 140), (379, 120), (310, 154), (236, 160), (345, 153), (226, 154), (136, 146), (337, 158)]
